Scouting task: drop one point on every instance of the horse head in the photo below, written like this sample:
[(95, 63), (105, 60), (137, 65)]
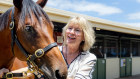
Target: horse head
[(33, 36)]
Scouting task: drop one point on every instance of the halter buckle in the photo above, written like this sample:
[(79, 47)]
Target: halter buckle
[(11, 25), (39, 53), (9, 75)]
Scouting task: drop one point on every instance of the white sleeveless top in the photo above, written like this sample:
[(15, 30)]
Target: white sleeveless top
[(82, 66)]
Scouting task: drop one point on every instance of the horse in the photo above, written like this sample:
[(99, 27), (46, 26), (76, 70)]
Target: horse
[(26, 32)]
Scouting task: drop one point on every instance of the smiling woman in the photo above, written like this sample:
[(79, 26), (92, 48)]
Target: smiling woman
[(78, 39)]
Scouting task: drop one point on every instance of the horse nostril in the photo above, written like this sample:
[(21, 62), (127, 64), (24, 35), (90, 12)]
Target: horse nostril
[(59, 76)]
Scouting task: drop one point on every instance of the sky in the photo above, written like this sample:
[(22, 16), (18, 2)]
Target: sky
[(122, 11)]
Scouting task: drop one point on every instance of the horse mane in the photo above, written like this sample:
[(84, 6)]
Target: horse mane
[(27, 9), (4, 19)]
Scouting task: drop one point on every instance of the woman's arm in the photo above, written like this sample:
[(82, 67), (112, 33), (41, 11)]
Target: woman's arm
[(85, 72), (86, 67)]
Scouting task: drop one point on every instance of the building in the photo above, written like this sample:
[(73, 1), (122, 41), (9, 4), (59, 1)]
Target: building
[(117, 45)]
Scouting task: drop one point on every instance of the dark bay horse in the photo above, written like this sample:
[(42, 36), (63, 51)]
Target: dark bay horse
[(27, 33)]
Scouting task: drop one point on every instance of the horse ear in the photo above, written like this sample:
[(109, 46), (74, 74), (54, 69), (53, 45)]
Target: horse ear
[(18, 3), (42, 3)]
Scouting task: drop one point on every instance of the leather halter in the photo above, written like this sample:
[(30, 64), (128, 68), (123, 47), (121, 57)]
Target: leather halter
[(30, 58)]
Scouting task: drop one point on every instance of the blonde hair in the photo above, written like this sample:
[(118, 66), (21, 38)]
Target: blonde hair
[(89, 36)]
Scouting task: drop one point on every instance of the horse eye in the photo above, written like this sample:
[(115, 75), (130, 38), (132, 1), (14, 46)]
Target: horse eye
[(29, 28)]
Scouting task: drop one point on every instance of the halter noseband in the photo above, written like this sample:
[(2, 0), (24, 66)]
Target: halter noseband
[(30, 58)]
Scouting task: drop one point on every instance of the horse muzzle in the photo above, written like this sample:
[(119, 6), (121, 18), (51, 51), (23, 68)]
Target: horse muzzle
[(49, 73)]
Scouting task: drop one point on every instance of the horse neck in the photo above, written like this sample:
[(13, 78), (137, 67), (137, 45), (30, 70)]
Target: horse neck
[(6, 56)]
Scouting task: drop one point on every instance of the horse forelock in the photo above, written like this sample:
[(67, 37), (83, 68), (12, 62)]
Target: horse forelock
[(29, 9)]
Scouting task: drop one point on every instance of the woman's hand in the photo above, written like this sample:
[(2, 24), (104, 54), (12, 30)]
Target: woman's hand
[(2, 71)]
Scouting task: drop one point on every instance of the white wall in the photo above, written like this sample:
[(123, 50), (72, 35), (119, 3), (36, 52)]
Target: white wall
[(112, 68), (135, 65)]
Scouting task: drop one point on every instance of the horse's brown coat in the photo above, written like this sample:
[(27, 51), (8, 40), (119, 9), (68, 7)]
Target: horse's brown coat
[(27, 15)]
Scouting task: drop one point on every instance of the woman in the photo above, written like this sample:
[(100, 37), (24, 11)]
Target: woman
[(78, 39)]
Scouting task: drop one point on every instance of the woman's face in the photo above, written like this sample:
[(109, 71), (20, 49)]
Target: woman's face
[(74, 35)]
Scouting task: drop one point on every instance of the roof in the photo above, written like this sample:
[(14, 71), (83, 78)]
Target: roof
[(63, 17)]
